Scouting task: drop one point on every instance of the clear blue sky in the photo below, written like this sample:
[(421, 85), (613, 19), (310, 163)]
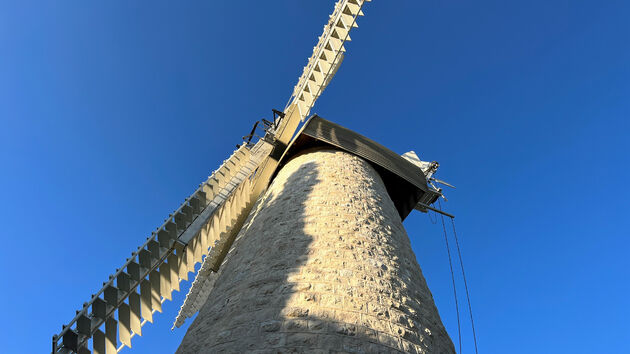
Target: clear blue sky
[(112, 113)]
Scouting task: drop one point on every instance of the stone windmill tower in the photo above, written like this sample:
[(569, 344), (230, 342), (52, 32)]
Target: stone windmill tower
[(301, 242)]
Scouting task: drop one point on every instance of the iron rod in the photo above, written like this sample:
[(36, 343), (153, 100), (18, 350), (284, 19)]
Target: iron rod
[(437, 210)]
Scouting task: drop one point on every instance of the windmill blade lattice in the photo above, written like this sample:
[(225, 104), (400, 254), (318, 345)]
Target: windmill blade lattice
[(327, 55)]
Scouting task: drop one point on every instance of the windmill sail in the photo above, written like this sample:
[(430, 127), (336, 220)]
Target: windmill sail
[(203, 228), (327, 55)]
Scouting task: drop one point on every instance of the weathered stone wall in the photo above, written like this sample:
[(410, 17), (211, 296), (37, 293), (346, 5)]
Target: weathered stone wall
[(322, 265)]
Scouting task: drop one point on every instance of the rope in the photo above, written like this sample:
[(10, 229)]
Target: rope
[(450, 263), (461, 263)]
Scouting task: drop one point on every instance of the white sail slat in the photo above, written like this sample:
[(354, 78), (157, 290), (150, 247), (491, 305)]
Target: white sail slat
[(124, 325)]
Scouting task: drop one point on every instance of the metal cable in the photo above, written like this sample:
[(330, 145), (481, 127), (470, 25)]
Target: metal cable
[(433, 221), (450, 263), (461, 263)]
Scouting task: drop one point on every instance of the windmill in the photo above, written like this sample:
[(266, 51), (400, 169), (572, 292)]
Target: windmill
[(204, 228)]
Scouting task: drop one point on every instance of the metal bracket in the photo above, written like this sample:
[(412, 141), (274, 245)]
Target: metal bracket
[(277, 116), (248, 138)]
